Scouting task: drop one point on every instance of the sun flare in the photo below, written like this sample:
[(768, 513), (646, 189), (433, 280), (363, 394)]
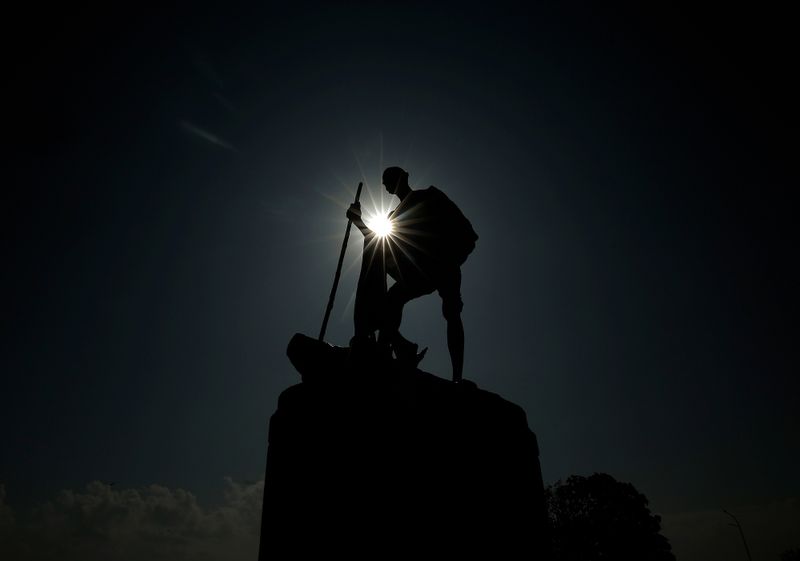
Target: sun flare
[(380, 224)]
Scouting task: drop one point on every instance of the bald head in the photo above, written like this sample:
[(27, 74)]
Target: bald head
[(395, 179)]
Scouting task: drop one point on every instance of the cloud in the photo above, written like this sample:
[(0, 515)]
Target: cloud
[(769, 528), (205, 135), (154, 523)]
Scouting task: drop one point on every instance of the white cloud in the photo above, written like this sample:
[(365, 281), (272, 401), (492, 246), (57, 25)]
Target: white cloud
[(152, 523), (156, 523)]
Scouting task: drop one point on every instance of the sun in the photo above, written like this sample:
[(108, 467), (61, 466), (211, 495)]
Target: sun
[(380, 224)]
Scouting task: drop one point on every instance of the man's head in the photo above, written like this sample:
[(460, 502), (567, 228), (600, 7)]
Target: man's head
[(395, 180)]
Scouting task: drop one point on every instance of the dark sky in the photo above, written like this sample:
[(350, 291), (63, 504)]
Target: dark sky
[(176, 207)]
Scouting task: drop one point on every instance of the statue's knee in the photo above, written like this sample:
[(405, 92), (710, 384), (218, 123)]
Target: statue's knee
[(394, 300)]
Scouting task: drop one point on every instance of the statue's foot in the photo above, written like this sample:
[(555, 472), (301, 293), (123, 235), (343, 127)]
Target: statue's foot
[(405, 351), (367, 352), (463, 384), (421, 355), (411, 358)]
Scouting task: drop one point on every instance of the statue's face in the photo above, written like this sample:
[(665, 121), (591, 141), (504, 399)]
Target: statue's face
[(391, 184)]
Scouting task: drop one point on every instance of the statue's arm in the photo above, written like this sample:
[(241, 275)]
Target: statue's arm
[(354, 214)]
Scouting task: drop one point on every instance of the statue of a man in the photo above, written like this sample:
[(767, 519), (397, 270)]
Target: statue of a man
[(429, 242)]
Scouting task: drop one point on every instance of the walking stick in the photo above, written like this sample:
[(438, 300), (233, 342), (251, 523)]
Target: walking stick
[(338, 271)]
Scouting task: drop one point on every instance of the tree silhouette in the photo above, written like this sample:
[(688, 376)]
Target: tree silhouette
[(791, 555), (598, 517)]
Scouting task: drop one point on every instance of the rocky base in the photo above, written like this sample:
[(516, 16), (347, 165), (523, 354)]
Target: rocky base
[(374, 462)]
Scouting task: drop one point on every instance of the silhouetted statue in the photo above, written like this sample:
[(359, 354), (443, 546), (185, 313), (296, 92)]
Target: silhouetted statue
[(430, 240), (346, 444)]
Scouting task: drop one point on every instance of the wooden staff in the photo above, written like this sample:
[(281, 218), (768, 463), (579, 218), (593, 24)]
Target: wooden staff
[(338, 270)]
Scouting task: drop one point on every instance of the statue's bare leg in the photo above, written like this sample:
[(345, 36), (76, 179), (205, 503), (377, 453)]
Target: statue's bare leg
[(455, 344), (396, 298), (450, 291)]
